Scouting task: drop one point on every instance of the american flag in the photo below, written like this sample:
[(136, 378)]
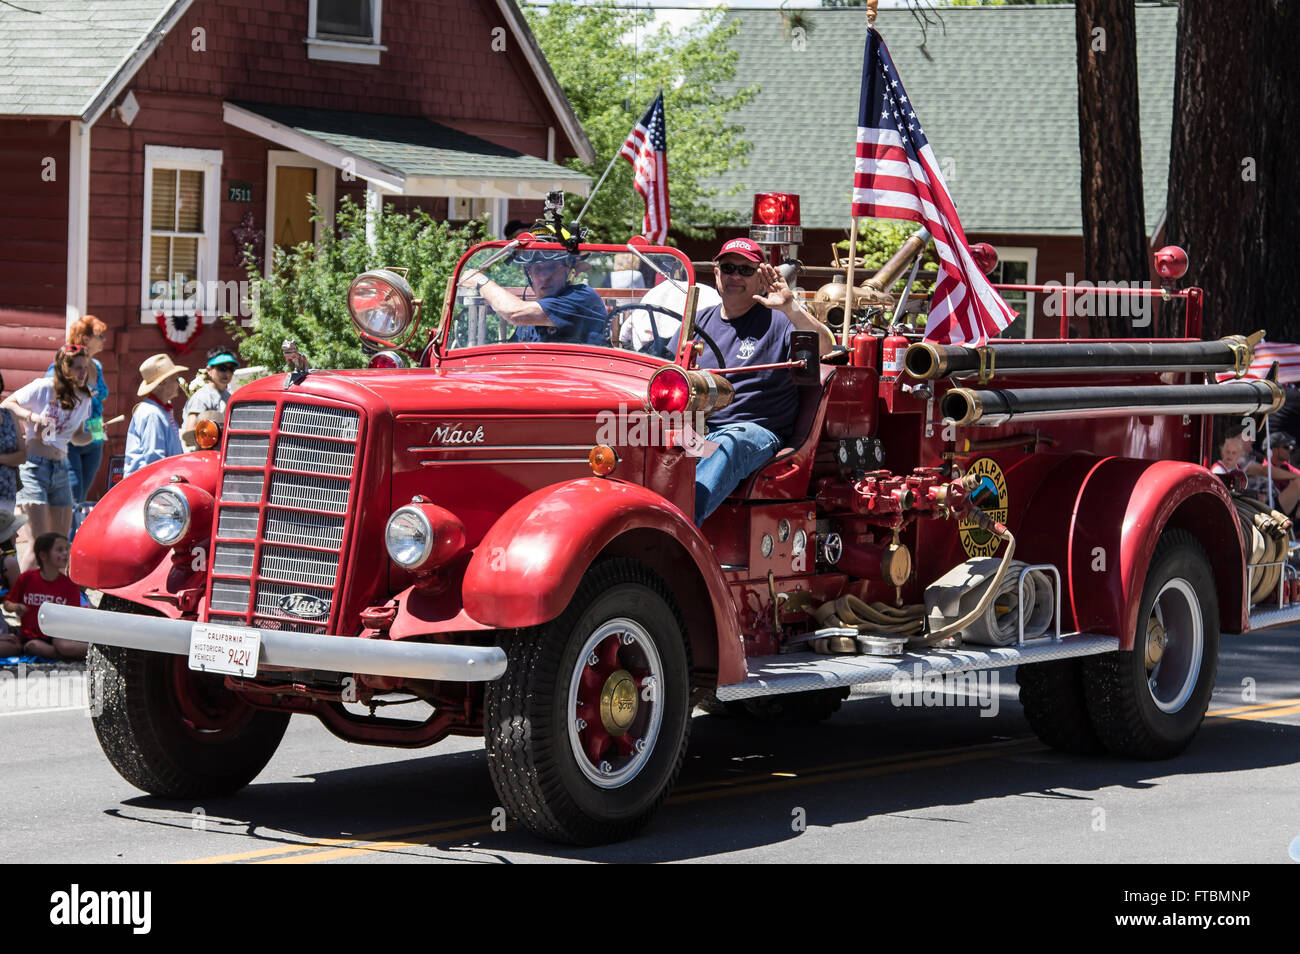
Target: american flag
[(897, 177), (646, 147)]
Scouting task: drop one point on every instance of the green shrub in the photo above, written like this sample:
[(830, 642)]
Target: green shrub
[(305, 296)]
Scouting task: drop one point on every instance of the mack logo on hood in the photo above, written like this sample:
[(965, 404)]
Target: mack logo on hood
[(303, 605), (455, 434)]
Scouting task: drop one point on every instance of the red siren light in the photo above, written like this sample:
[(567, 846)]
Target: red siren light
[(776, 208), (1171, 263), (985, 256)]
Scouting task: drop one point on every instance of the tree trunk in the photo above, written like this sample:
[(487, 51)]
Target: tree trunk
[(1234, 163), (1110, 152)]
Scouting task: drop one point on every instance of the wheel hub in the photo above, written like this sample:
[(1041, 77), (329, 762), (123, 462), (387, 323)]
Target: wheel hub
[(618, 702), (1157, 640)]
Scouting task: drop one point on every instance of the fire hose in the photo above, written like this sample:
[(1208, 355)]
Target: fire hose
[(1268, 536)]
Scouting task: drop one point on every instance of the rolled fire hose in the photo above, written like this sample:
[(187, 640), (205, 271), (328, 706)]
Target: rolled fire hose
[(987, 523), (1259, 523), (1000, 623)]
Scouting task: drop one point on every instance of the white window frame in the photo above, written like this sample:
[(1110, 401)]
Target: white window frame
[(207, 161), (275, 158), (340, 49), (1028, 255)]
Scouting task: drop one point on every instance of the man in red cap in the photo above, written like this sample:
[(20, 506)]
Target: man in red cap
[(751, 326)]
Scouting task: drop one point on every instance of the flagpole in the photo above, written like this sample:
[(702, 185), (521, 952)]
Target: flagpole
[(848, 281), (597, 187)]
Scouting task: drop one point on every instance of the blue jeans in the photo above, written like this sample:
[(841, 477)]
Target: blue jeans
[(742, 449), (83, 465)]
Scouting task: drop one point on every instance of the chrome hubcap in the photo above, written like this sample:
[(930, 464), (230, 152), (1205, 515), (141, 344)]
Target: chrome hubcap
[(1175, 645)]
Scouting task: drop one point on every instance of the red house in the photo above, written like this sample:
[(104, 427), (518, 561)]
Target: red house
[(144, 142)]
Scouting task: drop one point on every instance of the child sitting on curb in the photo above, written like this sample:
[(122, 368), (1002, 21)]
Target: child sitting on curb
[(47, 584)]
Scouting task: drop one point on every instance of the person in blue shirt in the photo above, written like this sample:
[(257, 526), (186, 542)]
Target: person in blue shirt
[(751, 326), (153, 433), (562, 311)]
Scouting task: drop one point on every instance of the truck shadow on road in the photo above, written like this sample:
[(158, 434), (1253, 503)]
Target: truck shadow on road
[(744, 786)]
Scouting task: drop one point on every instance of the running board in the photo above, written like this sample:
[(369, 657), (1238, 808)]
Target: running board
[(1275, 616), (804, 672)]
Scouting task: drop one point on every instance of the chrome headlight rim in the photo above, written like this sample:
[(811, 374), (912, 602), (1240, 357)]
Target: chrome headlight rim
[(186, 517), (399, 287), (425, 551)]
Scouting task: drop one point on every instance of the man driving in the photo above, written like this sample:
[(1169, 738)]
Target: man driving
[(562, 311), (751, 326)]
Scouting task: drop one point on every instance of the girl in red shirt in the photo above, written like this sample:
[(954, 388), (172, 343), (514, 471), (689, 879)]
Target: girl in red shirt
[(48, 584)]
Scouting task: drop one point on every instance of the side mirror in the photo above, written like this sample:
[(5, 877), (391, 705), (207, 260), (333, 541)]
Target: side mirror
[(805, 346)]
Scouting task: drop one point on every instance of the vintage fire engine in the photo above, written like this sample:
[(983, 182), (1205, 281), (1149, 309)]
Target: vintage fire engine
[(498, 529)]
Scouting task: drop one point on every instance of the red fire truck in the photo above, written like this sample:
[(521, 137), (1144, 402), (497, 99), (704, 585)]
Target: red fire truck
[(498, 528)]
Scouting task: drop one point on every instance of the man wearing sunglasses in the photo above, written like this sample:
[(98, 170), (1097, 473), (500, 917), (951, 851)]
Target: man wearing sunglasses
[(1286, 479), (562, 311), (751, 326)]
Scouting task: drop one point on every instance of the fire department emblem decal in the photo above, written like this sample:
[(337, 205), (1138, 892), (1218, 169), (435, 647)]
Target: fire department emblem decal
[(747, 349), (303, 606), (990, 495)]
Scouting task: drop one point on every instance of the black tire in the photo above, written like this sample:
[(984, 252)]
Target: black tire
[(1132, 717), (1056, 707), (537, 751), (172, 732), (788, 708)]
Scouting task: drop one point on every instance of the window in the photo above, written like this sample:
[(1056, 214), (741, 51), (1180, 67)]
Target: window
[(1017, 266), (345, 31), (181, 215)]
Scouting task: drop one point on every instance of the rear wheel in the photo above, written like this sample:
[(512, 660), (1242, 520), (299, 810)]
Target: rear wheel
[(1149, 702), (1056, 707), (587, 729), (173, 732)]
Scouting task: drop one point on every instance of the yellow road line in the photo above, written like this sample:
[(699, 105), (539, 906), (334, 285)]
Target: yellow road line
[(316, 843), (1215, 713), (1267, 713), (359, 849)]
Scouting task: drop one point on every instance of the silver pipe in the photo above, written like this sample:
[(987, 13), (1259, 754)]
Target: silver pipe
[(346, 654)]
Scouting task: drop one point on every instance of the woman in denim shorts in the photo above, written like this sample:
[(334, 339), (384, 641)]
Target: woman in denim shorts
[(52, 411)]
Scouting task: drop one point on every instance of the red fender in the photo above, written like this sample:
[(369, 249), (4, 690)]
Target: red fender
[(112, 551), (1112, 512), (528, 566)]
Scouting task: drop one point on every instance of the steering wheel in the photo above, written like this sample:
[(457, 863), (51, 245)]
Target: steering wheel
[(660, 346)]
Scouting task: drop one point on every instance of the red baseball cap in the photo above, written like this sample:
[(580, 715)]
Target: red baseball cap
[(745, 248)]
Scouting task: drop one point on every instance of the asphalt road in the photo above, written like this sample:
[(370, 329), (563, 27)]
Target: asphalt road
[(877, 782)]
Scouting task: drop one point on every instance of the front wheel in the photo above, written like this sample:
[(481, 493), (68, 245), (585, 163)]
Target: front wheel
[(173, 732), (587, 729), (1149, 702)]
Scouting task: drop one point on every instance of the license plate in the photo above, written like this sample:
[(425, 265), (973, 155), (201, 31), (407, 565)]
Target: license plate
[(224, 649)]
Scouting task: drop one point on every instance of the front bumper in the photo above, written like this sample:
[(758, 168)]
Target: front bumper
[(344, 654)]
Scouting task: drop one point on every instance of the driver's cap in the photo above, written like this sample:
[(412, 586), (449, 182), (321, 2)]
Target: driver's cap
[(745, 248)]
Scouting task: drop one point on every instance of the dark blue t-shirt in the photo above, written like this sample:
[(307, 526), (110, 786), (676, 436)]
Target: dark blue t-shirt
[(578, 315), (759, 336)]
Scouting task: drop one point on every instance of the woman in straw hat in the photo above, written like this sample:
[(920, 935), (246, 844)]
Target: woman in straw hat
[(153, 433)]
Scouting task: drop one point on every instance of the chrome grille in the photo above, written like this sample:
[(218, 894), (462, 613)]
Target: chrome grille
[(312, 529), (229, 595), (317, 456), (237, 524), (292, 564), (319, 421), (245, 451), (241, 487), (296, 490), (232, 559), (301, 515), (252, 416)]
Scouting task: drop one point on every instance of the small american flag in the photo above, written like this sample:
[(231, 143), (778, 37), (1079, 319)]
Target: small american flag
[(646, 147), (897, 177)]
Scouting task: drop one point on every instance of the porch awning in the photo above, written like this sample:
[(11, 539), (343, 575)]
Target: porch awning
[(406, 155)]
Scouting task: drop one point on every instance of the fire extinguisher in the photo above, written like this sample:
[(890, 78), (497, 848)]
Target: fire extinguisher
[(892, 351)]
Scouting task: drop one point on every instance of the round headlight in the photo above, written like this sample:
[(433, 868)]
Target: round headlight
[(166, 516), (381, 303), (408, 537)]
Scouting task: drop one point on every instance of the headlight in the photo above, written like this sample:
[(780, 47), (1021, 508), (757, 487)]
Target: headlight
[(408, 537), (381, 304), (166, 516), (422, 536)]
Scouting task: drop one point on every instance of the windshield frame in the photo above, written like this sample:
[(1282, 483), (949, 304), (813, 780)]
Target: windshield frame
[(444, 334)]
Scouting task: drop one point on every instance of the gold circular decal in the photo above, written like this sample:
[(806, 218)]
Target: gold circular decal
[(990, 495)]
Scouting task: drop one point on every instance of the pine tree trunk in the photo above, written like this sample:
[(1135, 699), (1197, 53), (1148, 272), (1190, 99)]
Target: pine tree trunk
[(1234, 163), (1110, 151)]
